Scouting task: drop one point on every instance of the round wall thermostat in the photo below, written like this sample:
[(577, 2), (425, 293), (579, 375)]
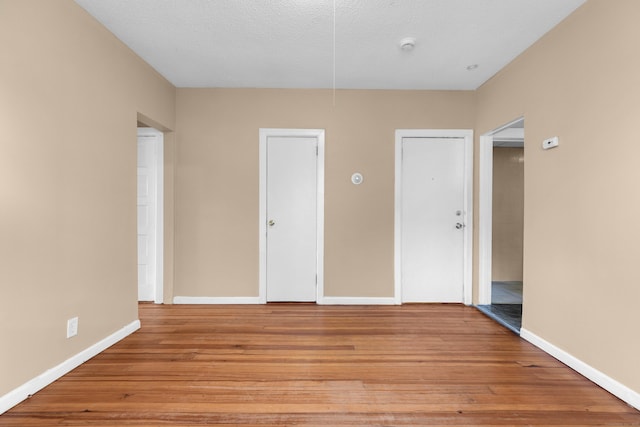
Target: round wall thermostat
[(357, 178)]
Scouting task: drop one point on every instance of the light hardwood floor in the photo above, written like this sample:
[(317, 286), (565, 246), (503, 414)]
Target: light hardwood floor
[(302, 364)]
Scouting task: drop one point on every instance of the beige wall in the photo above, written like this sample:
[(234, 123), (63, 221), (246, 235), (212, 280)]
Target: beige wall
[(217, 180), (69, 97), (507, 213), (581, 83)]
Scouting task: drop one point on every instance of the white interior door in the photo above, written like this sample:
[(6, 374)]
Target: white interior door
[(291, 216), (432, 219), (149, 215)]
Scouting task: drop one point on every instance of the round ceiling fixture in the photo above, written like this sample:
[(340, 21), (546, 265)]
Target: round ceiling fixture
[(407, 44)]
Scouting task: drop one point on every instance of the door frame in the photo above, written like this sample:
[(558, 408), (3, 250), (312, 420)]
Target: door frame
[(264, 134), (485, 212), (467, 135), (158, 227)]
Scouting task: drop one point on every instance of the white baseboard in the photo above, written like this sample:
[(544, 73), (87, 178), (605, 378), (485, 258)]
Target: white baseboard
[(606, 382), (217, 300), (356, 301), (258, 300), (36, 384)]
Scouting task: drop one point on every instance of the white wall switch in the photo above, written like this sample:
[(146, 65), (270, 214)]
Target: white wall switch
[(72, 327), (550, 143)]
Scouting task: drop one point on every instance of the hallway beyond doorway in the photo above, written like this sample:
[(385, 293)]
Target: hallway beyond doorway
[(506, 292)]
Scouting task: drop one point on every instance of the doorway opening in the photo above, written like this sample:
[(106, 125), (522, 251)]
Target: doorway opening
[(501, 224), (150, 196)]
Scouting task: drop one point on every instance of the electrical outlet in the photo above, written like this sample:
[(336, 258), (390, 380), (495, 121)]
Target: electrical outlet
[(72, 327)]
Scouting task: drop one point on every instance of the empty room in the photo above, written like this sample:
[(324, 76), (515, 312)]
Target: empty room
[(238, 212)]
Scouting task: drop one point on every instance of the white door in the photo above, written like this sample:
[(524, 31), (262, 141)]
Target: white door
[(291, 217), (149, 215), (432, 219)]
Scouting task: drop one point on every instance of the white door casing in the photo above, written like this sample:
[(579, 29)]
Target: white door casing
[(150, 215), (291, 214), (485, 219), (433, 221)]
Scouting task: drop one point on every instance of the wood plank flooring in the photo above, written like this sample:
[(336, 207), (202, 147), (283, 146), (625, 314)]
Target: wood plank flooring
[(303, 364)]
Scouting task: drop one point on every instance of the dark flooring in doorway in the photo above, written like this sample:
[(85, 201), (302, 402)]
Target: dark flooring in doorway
[(508, 315), (506, 305)]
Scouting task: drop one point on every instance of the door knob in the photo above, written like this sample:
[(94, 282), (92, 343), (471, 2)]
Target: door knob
[(459, 225), (271, 223)]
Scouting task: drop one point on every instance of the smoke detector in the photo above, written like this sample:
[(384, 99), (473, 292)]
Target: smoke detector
[(407, 44)]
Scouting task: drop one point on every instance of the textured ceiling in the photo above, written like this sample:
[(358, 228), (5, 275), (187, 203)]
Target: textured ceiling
[(290, 43)]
